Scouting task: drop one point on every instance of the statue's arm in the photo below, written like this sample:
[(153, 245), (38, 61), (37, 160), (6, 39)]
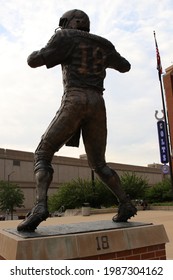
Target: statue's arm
[(55, 52), (45, 55), (35, 59), (117, 62)]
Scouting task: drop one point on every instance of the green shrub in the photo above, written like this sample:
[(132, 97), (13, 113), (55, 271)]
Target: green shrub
[(160, 192), (73, 194), (135, 186)]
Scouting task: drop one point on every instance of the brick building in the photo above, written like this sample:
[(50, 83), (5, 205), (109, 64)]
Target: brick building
[(168, 86)]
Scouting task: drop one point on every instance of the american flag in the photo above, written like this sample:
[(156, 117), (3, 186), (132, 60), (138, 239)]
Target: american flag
[(159, 65)]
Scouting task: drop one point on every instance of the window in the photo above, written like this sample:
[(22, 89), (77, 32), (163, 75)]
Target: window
[(16, 162)]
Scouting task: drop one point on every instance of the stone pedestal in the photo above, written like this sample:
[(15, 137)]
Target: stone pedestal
[(92, 240)]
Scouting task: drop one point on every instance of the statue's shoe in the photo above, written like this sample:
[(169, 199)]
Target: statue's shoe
[(126, 210), (38, 214)]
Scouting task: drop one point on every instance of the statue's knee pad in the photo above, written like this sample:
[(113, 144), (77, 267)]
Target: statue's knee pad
[(108, 175), (104, 172), (43, 165)]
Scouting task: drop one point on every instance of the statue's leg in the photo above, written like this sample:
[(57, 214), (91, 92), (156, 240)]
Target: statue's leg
[(60, 130), (126, 209), (94, 136), (39, 213)]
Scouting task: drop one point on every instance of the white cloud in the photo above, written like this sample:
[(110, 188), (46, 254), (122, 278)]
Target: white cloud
[(31, 97)]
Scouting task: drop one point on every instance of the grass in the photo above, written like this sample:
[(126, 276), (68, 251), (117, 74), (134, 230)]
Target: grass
[(162, 204)]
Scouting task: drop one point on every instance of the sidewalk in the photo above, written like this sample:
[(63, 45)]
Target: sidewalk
[(148, 216)]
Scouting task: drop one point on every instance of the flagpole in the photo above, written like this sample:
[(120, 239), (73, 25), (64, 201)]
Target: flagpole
[(159, 68)]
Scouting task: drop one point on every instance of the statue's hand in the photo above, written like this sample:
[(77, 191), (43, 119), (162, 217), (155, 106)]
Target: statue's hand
[(35, 59)]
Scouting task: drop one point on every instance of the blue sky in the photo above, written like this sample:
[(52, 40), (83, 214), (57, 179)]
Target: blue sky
[(30, 97)]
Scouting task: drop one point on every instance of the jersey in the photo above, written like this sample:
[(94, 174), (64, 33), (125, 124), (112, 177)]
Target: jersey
[(84, 58)]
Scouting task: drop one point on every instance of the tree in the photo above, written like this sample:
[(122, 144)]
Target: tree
[(11, 196)]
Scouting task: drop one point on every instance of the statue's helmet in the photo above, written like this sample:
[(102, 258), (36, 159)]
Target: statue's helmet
[(75, 19)]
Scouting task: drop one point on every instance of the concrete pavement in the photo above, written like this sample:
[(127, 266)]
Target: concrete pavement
[(148, 216)]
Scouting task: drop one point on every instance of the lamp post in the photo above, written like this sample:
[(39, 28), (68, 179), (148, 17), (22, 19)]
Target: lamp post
[(9, 177), (8, 183)]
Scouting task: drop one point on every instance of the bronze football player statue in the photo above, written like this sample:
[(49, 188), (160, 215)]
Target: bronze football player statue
[(84, 58)]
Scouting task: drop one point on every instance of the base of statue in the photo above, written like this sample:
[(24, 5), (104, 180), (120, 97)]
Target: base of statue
[(86, 240)]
